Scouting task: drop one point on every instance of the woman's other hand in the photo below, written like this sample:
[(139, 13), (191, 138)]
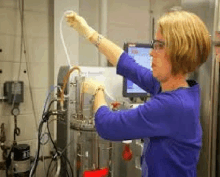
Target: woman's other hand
[(91, 87)]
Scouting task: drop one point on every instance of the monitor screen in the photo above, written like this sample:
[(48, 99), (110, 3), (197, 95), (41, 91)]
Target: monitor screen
[(141, 54)]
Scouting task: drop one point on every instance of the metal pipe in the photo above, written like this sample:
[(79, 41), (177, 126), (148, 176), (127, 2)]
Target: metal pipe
[(215, 90), (79, 97), (103, 27)]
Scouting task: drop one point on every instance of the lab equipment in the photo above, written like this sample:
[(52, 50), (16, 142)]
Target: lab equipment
[(141, 54), (14, 92), (77, 138), (21, 162)]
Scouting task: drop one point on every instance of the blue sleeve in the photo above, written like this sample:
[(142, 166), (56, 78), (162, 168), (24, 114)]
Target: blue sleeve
[(157, 117), (140, 75)]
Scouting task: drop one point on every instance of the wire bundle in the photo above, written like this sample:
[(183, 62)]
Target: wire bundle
[(57, 156)]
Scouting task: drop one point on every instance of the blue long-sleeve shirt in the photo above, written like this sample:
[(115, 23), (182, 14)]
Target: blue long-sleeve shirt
[(169, 119)]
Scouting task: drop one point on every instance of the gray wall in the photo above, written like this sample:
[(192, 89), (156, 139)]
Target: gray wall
[(37, 79)]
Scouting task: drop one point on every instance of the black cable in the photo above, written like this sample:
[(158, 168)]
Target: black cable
[(51, 104), (67, 160), (21, 10), (66, 167), (67, 173), (17, 130), (8, 160), (62, 155), (51, 138), (33, 170), (49, 167), (57, 149), (44, 119), (54, 167)]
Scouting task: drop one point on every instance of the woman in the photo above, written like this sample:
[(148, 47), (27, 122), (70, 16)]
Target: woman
[(169, 122)]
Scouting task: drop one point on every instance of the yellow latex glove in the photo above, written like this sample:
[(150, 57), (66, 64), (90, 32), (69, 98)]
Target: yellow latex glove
[(79, 24), (91, 86)]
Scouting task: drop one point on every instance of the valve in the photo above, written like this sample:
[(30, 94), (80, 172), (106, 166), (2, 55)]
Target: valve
[(127, 153), (115, 105)]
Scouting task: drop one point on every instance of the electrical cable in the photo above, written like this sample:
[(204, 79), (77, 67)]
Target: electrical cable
[(33, 169), (51, 138), (66, 167), (43, 135), (67, 160), (42, 152), (51, 104), (45, 118), (48, 96), (64, 149), (21, 10), (46, 133), (8, 161), (55, 166), (49, 167), (61, 155), (45, 103)]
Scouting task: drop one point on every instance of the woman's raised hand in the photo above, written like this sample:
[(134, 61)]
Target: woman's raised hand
[(79, 24)]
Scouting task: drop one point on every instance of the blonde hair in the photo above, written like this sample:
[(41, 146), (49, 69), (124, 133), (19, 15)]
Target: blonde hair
[(187, 40)]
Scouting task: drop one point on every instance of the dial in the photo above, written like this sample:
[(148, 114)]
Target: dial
[(15, 111)]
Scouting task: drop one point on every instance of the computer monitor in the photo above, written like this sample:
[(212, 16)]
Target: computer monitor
[(141, 54)]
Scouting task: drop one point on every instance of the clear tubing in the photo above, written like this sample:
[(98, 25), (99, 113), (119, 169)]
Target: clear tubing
[(61, 36)]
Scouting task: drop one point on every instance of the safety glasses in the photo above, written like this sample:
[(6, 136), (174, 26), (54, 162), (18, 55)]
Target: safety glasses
[(157, 45)]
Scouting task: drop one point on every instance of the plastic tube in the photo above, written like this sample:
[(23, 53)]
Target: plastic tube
[(65, 80), (61, 36)]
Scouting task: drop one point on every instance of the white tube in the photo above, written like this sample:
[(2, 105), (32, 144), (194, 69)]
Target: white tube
[(61, 36), (109, 96)]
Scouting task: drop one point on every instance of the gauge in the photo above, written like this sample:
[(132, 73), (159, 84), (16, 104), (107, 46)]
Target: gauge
[(15, 111)]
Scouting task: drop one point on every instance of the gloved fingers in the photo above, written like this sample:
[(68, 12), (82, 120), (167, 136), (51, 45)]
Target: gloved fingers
[(70, 14), (71, 19), (74, 20), (79, 24), (90, 86)]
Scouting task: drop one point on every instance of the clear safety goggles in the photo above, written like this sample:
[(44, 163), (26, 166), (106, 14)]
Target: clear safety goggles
[(157, 45)]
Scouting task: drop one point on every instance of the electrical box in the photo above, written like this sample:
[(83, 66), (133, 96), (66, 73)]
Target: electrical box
[(14, 92)]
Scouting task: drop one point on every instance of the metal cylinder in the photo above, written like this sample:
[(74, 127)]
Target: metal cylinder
[(89, 152), (21, 162)]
